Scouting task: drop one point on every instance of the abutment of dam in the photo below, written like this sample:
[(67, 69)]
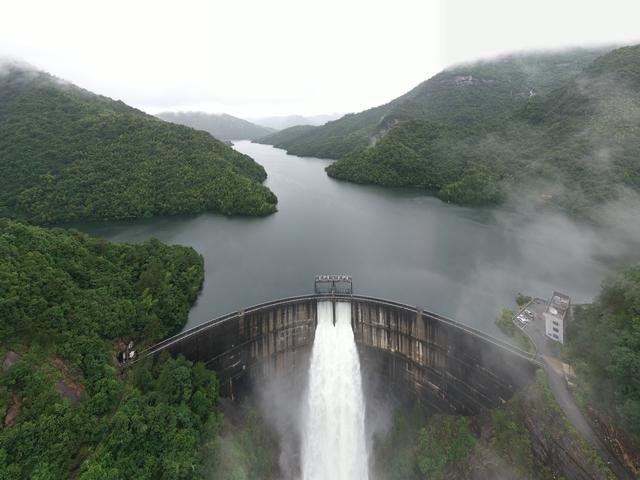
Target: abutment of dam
[(442, 364)]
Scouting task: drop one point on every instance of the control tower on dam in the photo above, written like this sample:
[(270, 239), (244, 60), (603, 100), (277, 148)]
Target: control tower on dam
[(438, 362)]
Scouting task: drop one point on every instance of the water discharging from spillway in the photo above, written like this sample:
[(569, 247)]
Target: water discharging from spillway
[(333, 435)]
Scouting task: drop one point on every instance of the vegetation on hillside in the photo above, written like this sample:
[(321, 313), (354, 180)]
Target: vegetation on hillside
[(474, 95), (67, 304), (416, 448), (559, 129), (428, 156), (279, 139), (246, 449), (526, 438), (604, 344), (574, 146), (68, 154), (222, 126)]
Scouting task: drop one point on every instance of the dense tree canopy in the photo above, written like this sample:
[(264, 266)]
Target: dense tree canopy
[(476, 95), (522, 439), (605, 339), (560, 129), (68, 154), (66, 302)]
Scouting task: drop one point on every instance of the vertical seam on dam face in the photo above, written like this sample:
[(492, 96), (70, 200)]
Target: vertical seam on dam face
[(431, 358)]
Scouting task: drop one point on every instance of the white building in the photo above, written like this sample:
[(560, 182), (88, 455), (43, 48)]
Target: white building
[(555, 316)]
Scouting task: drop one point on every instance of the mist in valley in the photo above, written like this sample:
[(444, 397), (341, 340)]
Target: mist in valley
[(164, 165)]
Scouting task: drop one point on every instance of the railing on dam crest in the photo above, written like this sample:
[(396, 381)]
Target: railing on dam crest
[(334, 297)]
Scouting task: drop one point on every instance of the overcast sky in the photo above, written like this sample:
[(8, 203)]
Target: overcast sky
[(279, 57)]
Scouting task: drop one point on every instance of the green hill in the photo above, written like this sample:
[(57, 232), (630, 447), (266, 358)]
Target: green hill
[(223, 126), (287, 136), (477, 95), (556, 129), (68, 154), (69, 303), (604, 344)]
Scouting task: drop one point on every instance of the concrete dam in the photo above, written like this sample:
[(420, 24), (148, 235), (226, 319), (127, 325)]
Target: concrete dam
[(421, 356)]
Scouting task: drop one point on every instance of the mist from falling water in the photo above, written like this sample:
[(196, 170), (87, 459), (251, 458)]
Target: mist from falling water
[(333, 433)]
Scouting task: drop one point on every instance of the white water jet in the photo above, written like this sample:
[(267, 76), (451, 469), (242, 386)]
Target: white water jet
[(333, 435)]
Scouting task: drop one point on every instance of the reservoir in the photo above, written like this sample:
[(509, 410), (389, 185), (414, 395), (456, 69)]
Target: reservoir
[(464, 263)]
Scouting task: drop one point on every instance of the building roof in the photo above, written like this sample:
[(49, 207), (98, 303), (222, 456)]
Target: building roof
[(558, 305)]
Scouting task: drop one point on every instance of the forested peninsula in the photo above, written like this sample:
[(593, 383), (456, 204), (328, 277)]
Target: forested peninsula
[(67, 154)]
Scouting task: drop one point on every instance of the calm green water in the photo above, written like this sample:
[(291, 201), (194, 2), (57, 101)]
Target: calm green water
[(463, 263)]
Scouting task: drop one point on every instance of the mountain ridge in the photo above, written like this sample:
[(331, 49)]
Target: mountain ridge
[(441, 97), (286, 121), (558, 129), (222, 126), (68, 154)]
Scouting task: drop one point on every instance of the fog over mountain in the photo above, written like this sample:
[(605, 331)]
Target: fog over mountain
[(68, 154), (282, 122), (441, 282), (221, 126), (556, 128), (312, 59)]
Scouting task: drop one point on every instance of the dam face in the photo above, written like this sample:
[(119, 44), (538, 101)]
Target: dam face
[(437, 362)]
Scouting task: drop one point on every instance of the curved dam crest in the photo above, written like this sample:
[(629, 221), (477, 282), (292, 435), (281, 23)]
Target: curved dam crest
[(444, 365)]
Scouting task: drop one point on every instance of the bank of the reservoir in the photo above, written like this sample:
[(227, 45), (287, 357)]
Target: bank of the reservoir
[(460, 262)]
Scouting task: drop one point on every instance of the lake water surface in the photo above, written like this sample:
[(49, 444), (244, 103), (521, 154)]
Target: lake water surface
[(460, 262)]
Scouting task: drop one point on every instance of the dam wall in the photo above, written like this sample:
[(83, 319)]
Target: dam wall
[(440, 363), (445, 365), (249, 344)]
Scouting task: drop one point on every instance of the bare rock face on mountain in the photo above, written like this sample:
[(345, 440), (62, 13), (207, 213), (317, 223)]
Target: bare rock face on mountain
[(9, 360)]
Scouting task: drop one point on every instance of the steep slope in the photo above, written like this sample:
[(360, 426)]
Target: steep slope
[(442, 159), (282, 122), (475, 96), (588, 131), (287, 136), (574, 146), (69, 304), (68, 154), (223, 126), (332, 140), (604, 341)]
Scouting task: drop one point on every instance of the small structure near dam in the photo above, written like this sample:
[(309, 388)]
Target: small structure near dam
[(446, 366)]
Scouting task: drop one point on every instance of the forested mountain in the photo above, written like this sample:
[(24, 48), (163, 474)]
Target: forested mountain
[(465, 95), (223, 126), (605, 348), (561, 128), (68, 154), (288, 135), (69, 303), (282, 122)]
